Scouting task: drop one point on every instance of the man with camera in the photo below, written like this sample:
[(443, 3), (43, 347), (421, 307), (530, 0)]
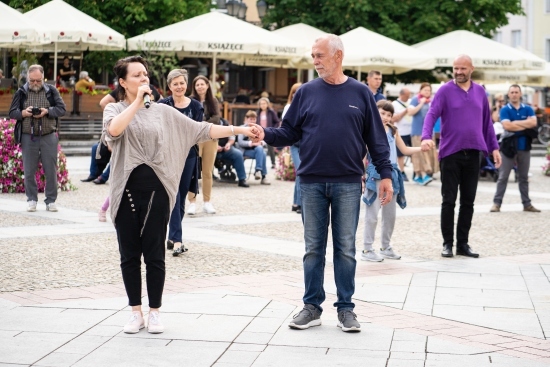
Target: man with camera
[(38, 105)]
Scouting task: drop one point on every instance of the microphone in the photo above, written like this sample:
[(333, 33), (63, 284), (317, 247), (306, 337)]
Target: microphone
[(146, 99)]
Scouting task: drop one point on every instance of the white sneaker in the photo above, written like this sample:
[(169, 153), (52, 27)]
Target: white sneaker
[(32, 206), (135, 324), (208, 208), (154, 325), (258, 175), (389, 254), (191, 209), (51, 207), (371, 256)]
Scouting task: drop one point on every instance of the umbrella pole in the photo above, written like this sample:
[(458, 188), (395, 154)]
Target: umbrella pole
[(5, 61), (55, 62), (81, 57), (213, 77), (359, 73)]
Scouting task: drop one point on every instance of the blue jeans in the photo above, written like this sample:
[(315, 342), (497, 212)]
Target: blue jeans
[(174, 231), (96, 169), (258, 154), (319, 202), (295, 154), (234, 156)]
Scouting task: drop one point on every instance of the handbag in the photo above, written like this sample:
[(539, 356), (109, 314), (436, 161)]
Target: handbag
[(18, 132), (508, 146)]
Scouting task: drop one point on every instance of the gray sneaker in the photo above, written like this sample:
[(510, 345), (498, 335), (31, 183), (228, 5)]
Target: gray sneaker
[(51, 207), (308, 317), (347, 320), (32, 206), (389, 254), (370, 255)]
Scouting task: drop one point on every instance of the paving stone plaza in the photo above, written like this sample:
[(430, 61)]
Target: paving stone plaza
[(228, 301)]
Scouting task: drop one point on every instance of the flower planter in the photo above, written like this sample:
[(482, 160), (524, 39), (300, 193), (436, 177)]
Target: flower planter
[(90, 103), (68, 100), (5, 103)]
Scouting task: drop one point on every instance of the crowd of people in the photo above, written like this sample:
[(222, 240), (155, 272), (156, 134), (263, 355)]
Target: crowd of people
[(154, 154)]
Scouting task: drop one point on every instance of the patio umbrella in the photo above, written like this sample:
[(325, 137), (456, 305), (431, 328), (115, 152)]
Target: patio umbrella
[(306, 36), (18, 31), (216, 33), (485, 53), (72, 30), (369, 50)]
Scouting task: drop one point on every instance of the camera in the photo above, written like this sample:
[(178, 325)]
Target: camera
[(36, 111)]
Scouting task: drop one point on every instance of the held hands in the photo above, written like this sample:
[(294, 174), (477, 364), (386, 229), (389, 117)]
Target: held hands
[(253, 132), (260, 135), (427, 145)]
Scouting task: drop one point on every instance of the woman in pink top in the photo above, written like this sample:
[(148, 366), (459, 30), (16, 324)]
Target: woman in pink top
[(267, 117)]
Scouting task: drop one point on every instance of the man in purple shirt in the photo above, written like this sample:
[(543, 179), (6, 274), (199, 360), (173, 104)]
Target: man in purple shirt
[(466, 130)]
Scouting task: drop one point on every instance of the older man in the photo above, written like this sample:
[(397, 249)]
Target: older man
[(38, 105), (335, 117), (374, 81), (466, 131)]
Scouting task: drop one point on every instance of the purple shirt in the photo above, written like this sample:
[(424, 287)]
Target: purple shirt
[(465, 120)]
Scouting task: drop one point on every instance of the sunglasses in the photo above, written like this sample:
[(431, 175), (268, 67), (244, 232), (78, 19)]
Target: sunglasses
[(35, 80)]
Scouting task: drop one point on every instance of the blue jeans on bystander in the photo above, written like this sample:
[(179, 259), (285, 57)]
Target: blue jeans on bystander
[(259, 155), (337, 204), (234, 156)]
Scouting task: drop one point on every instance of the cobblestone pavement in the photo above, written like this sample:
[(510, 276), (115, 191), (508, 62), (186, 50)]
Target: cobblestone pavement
[(89, 259), (228, 300)]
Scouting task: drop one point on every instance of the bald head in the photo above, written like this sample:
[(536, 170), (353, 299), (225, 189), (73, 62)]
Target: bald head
[(464, 58), (404, 94), (463, 69)]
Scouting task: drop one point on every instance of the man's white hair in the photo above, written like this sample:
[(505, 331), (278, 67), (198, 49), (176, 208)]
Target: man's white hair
[(334, 43), (83, 74)]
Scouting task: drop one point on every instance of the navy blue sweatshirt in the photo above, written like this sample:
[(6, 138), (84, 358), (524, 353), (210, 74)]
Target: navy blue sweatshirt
[(336, 124)]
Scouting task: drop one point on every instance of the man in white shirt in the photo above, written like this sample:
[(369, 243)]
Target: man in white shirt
[(403, 122)]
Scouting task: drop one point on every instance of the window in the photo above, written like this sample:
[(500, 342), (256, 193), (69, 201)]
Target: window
[(498, 36), (547, 7), (547, 49), (516, 38)]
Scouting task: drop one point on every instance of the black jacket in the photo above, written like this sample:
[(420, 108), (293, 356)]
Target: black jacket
[(56, 109)]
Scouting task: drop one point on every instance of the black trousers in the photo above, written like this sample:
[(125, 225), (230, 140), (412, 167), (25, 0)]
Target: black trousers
[(141, 224), (458, 171)]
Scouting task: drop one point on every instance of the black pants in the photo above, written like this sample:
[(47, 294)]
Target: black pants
[(141, 224), (459, 170)]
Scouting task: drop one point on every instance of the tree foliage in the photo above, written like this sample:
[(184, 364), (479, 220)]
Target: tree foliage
[(407, 21), (129, 17)]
